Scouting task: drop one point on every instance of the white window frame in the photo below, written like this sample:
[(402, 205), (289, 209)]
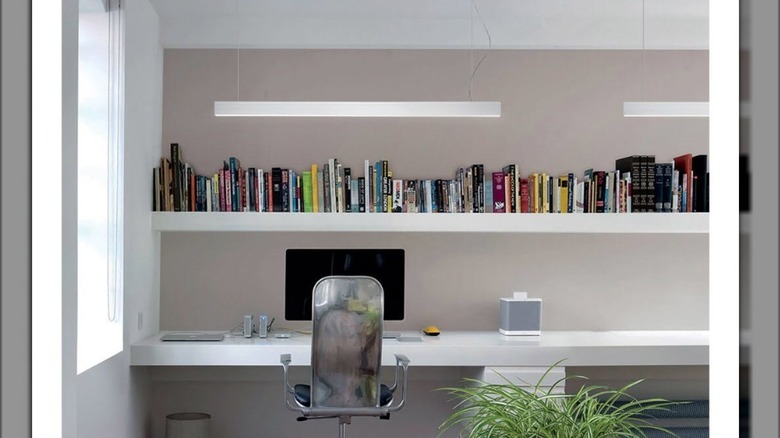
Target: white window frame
[(100, 184)]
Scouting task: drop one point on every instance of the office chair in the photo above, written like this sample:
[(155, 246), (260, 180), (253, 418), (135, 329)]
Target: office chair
[(346, 355)]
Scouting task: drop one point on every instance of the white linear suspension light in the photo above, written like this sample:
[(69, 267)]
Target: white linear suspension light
[(662, 109), (666, 109), (239, 108), (357, 109)]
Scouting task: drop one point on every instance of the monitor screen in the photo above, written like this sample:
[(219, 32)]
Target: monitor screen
[(304, 267)]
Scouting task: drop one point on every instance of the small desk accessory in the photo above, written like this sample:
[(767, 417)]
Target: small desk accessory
[(192, 336), (520, 315)]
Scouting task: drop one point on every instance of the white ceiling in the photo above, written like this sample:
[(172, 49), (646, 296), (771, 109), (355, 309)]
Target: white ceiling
[(531, 24)]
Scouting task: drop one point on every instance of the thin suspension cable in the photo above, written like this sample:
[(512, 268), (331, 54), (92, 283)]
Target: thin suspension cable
[(643, 50), (471, 42), (490, 45)]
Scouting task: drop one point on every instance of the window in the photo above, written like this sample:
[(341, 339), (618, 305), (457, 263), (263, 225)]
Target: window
[(100, 182)]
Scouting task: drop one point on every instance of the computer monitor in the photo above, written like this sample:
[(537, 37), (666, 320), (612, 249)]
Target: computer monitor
[(304, 267)]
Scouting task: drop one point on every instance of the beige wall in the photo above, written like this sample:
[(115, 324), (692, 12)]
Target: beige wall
[(562, 111)]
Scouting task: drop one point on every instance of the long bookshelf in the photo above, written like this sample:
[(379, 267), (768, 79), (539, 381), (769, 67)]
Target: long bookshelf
[(617, 223)]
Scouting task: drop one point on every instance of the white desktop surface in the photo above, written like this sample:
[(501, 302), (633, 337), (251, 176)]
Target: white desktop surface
[(578, 348)]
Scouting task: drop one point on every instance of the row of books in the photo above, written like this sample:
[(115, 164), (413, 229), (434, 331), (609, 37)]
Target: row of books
[(638, 184)]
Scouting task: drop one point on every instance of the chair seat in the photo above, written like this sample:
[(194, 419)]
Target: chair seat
[(303, 395)]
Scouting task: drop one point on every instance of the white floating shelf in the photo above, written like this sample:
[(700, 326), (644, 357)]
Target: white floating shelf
[(606, 223)]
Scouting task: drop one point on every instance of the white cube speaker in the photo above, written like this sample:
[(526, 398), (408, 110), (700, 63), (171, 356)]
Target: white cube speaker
[(247, 326), (520, 315)]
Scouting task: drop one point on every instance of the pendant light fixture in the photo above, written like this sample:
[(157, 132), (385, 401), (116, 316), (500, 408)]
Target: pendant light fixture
[(662, 109), (239, 108)]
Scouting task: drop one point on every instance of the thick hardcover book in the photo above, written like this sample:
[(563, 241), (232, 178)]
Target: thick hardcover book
[(398, 196), (276, 178), (701, 203), (438, 199), (362, 194), (524, 196), (510, 171), (684, 163), (630, 165), (347, 189), (431, 187), (332, 185), (308, 199), (570, 193), (499, 194)]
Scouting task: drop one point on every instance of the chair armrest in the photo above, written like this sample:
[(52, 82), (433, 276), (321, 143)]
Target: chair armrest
[(400, 359), (401, 362), (285, 359)]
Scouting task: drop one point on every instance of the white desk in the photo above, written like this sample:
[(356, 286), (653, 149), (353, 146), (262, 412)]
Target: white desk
[(614, 348)]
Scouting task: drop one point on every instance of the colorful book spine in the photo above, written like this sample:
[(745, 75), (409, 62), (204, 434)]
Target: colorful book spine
[(327, 193), (499, 194), (308, 198), (398, 196), (347, 189), (362, 194), (315, 201), (353, 194), (320, 195)]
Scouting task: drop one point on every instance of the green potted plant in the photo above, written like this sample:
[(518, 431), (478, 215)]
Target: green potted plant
[(508, 410)]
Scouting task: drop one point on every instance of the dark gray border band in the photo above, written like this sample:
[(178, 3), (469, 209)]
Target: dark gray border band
[(16, 217)]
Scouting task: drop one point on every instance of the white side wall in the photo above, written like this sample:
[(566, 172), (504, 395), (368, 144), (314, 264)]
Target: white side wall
[(112, 398)]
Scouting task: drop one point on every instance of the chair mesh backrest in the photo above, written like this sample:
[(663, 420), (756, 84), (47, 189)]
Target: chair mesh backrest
[(346, 349)]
